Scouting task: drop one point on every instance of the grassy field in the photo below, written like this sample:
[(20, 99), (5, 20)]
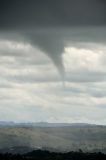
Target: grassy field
[(54, 138)]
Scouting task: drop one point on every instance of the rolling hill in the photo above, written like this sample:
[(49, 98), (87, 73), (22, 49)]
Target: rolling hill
[(53, 137)]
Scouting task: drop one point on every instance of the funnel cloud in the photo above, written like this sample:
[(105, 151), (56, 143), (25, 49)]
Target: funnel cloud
[(52, 46)]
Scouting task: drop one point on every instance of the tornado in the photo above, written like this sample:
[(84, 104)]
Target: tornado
[(51, 45)]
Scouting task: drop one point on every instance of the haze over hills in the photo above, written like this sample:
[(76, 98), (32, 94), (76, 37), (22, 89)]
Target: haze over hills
[(45, 124), (62, 137)]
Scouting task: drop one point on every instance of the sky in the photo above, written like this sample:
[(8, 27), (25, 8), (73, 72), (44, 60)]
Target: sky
[(53, 61)]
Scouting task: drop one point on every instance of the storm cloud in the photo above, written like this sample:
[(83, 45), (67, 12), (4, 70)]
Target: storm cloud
[(35, 35), (63, 13), (44, 22)]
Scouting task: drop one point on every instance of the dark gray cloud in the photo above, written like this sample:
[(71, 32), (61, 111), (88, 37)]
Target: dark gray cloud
[(48, 13)]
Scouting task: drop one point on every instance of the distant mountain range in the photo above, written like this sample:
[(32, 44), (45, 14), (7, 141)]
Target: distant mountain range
[(44, 124)]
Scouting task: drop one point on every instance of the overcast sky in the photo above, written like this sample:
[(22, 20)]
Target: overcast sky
[(44, 44)]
